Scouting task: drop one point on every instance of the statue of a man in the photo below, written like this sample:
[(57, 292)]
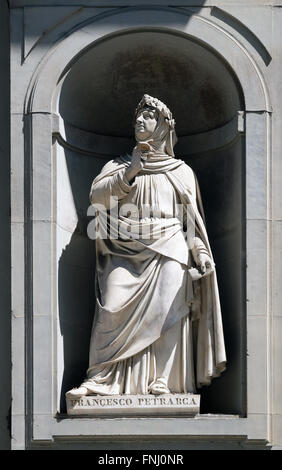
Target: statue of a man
[(157, 327)]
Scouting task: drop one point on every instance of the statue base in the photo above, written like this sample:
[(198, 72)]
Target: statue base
[(121, 405)]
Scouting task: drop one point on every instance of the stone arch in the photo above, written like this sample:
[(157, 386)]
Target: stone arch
[(40, 93)]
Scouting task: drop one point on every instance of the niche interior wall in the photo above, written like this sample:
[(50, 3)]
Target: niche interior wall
[(206, 100)]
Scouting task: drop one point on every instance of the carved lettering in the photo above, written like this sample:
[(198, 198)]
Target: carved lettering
[(91, 404), (140, 401)]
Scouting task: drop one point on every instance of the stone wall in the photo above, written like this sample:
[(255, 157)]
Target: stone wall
[(5, 244), (56, 148)]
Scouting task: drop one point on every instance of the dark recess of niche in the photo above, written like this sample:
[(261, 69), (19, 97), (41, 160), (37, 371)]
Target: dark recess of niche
[(221, 178)]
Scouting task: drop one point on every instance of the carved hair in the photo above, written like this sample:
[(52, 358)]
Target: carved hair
[(148, 101)]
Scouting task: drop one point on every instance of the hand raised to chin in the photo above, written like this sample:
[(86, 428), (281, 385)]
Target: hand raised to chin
[(136, 164)]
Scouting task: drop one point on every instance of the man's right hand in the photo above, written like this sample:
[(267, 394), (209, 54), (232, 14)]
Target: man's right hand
[(135, 166)]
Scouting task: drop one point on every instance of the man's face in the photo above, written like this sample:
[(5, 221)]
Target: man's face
[(146, 123)]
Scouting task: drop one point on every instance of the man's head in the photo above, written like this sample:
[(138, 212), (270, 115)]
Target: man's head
[(146, 123), (153, 121)]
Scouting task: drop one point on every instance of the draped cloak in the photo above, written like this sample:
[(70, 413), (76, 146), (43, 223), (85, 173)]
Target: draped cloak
[(144, 290)]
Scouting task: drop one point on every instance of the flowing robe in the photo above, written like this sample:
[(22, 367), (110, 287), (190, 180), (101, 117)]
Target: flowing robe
[(152, 323)]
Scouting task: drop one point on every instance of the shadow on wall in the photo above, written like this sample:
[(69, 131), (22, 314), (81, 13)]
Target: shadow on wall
[(221, 178), (76, 278)]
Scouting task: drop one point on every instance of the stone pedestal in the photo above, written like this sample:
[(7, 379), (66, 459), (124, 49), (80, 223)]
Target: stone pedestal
[(170, 404)]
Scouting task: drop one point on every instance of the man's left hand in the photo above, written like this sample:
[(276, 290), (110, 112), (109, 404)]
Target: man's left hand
[(204, 263)]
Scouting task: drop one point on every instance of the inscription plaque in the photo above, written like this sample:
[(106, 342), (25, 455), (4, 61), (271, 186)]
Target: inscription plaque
[(186, 404)]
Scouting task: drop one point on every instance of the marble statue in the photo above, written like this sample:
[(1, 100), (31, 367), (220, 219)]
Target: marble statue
[(157, 327)]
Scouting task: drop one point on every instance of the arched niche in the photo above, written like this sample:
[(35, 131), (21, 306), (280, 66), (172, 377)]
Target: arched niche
[(96, 103), (53, 202)]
